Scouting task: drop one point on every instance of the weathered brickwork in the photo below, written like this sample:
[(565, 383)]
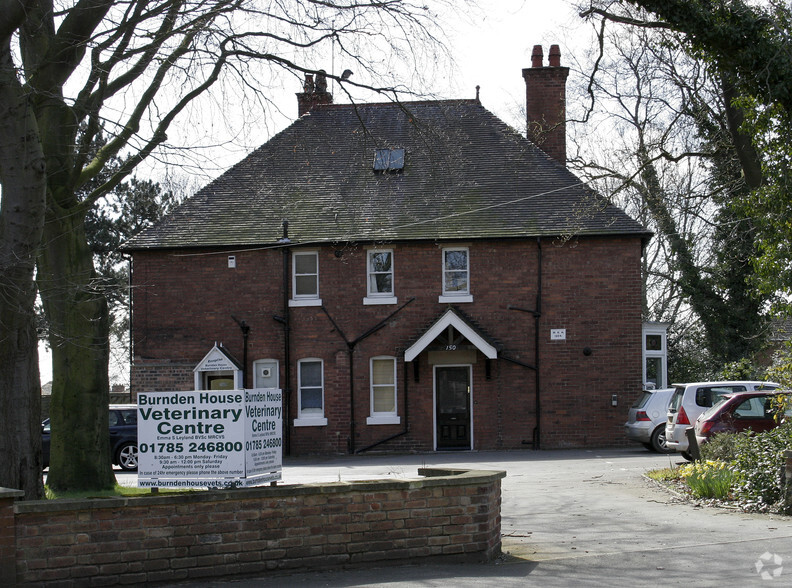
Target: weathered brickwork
[(253, 531), (590, 287)]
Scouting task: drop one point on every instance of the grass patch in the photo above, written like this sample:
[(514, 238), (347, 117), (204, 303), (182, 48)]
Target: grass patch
[(664, 475)]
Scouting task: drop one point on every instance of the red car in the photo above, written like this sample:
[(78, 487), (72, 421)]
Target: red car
[(741, 411)]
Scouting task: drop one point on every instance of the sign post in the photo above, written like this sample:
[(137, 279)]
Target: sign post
[(209, 438)]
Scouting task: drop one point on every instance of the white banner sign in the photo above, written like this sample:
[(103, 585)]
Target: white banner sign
[(209, 438)]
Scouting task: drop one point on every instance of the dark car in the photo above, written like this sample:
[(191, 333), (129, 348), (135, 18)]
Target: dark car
[(739, 412), (123, 437)]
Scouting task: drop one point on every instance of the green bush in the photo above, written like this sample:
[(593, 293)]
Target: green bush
[(721, 447), (758, 464), (756, 461)]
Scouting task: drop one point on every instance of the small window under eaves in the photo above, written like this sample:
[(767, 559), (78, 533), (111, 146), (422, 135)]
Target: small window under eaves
[(389, 160)]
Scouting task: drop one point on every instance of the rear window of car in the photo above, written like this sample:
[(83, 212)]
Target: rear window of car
[(642, 399), (125, 416), (709, 395), (714, 408), (676, 399)]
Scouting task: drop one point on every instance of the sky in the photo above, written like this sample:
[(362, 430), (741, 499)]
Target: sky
[(490, 48)]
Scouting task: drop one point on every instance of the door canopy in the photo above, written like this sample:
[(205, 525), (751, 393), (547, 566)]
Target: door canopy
[(451, 319)]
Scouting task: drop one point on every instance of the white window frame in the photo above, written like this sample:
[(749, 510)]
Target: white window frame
[(455, 297), (659, 329), (390, 417), (310, 419), (304, 299), (379, 297)]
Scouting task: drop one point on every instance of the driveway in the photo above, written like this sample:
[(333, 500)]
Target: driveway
[(573, 518)]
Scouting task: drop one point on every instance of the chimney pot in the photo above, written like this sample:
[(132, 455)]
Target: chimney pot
[(537, 56), (555, 56), (314, 93), (545, 103), (321, 81)]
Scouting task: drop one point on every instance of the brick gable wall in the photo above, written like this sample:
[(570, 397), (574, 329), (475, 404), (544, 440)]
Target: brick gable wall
[(590, 286)]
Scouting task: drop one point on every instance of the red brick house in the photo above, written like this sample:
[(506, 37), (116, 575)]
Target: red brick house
[(413, 276)]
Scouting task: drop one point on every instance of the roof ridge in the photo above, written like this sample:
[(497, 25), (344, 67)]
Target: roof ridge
[(437, 102)]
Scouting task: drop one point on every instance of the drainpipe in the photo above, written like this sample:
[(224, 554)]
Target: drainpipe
[(284, 320), (405, 379), (245, 332), (537, 314), (350, 350)]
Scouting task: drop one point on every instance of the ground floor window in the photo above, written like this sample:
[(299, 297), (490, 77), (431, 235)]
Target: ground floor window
[(310, 384), (383, 392)]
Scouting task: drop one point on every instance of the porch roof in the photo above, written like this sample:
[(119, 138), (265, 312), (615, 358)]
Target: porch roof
[(451, 318)]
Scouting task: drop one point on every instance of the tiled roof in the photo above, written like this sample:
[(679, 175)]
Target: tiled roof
[(466, 175)]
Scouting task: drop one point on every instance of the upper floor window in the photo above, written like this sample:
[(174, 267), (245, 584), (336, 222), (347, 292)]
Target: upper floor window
[(305, 278), (383, 392), (379, 277), (456, 275), (310, 399)]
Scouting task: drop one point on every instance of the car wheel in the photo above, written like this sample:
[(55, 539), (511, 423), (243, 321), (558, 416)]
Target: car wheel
[(128, 457), (659, 440)]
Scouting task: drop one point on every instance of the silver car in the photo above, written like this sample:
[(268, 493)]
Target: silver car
[(646, 421)]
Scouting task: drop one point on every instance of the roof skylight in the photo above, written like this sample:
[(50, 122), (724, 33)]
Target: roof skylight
[(390, 160)]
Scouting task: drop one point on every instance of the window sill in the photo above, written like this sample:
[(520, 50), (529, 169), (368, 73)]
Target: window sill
[(455, 299), (371, 300), (383, 420), (306, 302), (310, 422)]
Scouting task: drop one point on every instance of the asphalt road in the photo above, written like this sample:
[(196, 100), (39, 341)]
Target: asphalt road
[(571, 518)]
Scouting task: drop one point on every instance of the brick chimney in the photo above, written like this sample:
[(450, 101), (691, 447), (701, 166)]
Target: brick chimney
[(313, 93), (545, 102)]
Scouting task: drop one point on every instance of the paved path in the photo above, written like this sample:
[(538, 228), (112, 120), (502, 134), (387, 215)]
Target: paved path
[(572, 518)]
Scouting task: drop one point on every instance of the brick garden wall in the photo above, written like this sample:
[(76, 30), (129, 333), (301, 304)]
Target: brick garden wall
[(221, 534)]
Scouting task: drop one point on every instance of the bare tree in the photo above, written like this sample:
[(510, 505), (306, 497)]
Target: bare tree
[(22, 173), (134, 69), (672, 162)]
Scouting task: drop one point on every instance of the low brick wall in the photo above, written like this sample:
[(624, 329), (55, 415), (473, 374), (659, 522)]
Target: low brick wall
[(202, 535)]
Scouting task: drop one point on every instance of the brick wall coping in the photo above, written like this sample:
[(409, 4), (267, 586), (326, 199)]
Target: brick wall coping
[(10, 493), (432, 477)]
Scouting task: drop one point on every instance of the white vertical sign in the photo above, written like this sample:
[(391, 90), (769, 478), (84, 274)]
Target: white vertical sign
[(209, 438)]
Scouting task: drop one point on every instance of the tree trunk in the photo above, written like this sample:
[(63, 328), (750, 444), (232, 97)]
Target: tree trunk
[(78, 318), (23, 180)]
